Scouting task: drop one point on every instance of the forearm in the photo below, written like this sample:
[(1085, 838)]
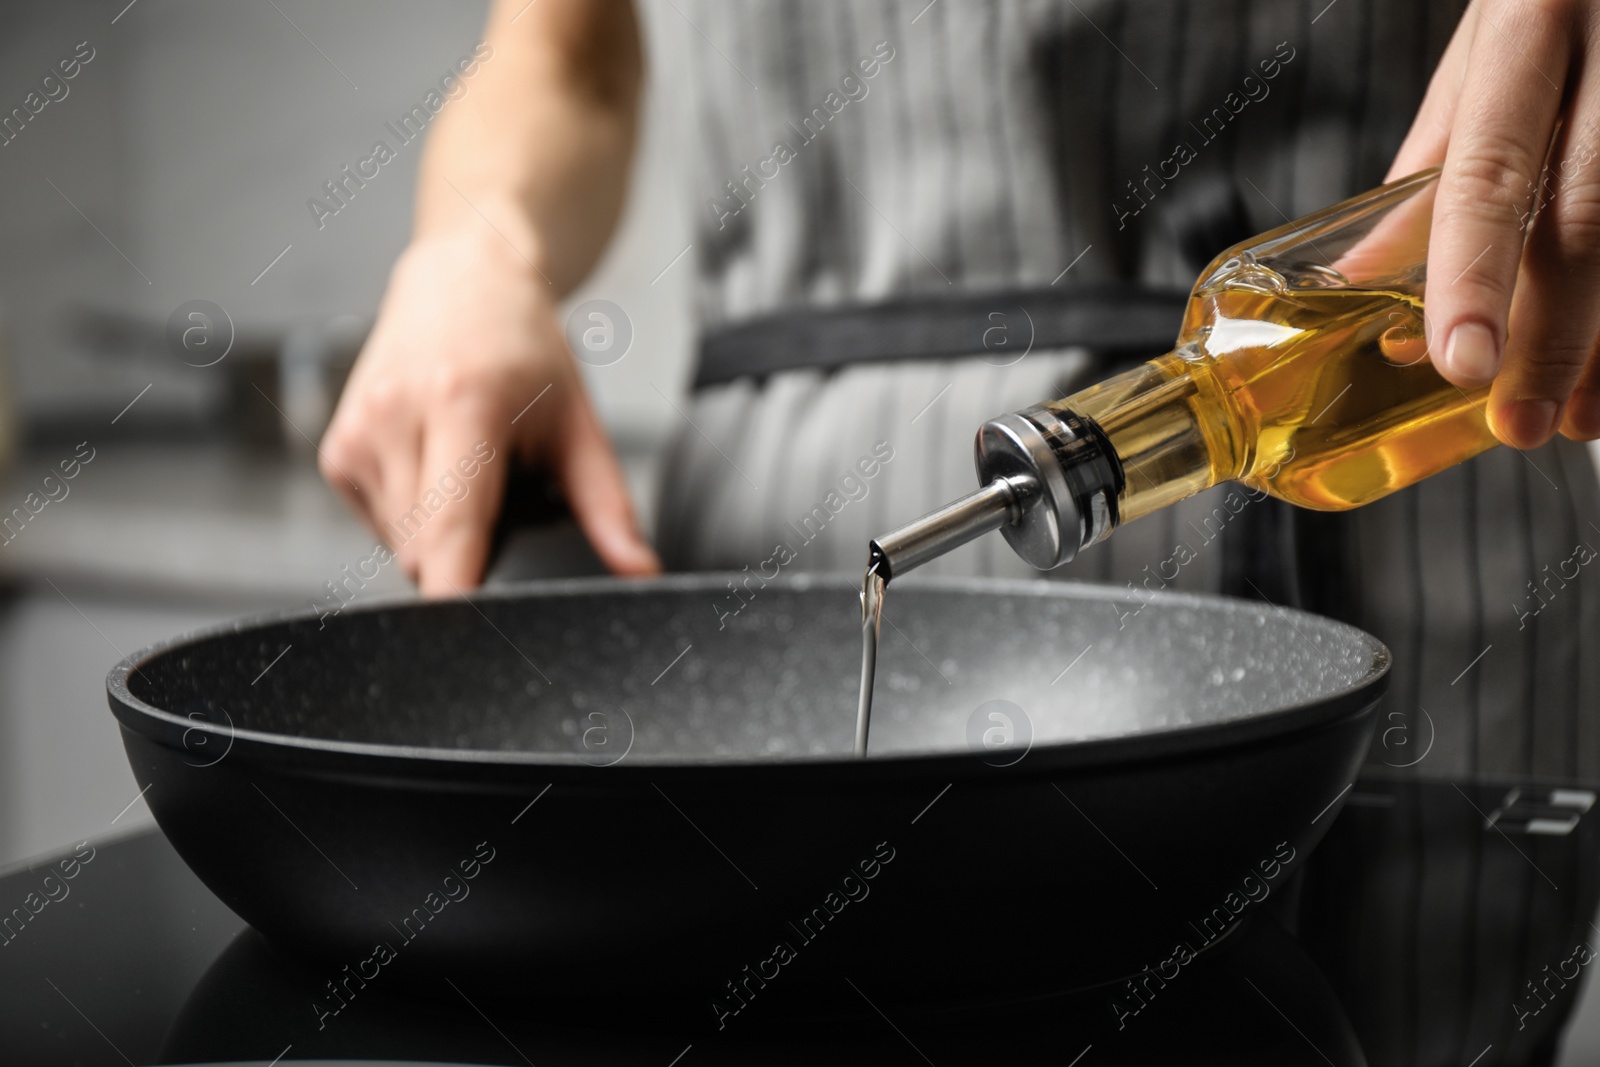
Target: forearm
[(540, 147)]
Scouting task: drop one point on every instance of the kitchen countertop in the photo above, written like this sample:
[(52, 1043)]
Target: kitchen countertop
[(136, 962), (207, 522), (222, 523)]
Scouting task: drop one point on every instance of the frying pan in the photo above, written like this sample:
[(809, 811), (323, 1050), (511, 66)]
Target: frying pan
[(644, 791)]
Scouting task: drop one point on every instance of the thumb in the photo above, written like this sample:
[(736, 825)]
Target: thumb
[(592, 481)]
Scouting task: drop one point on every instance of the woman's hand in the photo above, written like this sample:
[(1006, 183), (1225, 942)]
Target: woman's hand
[(1513, 115), (467, 338)]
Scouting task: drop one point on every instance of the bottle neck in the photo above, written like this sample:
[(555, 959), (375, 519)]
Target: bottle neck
[(1132, 444), (1061, 476), (1165, 427)]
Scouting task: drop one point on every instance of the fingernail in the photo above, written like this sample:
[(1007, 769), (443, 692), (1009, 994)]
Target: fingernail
[(1530, 422), (1472, 352)]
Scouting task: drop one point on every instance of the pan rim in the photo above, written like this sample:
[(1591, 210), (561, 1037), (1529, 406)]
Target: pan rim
[(367, 759)]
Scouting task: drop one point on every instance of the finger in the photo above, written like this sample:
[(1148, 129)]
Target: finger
[(1555, 317), (369, 452), (1582, 420), (1504, 118), (394, 430), (1429, 134), (592, 480), (461, 483), (1579, 165), (350, 468)]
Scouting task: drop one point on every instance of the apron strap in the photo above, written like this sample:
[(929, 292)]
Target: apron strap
[(1000, 326)]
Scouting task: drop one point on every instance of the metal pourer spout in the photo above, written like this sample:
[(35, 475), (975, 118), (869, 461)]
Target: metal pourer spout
[(1050, 479), (999, 503)]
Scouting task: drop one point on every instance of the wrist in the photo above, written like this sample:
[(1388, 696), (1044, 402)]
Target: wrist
[(493, 226)]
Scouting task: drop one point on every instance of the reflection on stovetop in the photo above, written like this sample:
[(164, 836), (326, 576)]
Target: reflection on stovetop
[(253, 1001), (1451, 918), (1435, 924)]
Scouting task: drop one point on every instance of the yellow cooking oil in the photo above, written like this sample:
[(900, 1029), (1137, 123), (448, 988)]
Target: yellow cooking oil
[(1324, 397)]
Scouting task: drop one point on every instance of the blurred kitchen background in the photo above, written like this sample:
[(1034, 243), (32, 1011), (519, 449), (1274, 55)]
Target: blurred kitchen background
[(177, 168)]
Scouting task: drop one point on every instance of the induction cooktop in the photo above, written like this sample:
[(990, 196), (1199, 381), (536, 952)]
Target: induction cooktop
[(1438, 922)]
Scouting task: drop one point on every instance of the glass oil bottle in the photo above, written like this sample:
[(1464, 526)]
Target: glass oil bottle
[(1301, 370)]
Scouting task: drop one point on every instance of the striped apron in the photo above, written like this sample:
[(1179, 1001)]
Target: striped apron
[(852, 153)]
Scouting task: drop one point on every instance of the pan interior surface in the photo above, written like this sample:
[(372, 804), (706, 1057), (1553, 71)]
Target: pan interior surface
[(686, 669)]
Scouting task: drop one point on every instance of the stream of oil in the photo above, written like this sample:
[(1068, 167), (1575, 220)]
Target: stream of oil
[(873, 586)]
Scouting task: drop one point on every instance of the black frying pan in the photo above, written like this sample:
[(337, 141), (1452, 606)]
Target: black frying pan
[(647, 822)]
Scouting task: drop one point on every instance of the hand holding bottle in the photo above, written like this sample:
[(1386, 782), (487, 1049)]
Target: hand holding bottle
[(1513, 116)]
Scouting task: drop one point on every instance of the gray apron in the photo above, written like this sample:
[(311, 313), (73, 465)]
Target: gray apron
[(1008, 149)]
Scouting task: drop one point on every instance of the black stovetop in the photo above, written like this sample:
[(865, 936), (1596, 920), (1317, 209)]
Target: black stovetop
[(1421, 922)]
